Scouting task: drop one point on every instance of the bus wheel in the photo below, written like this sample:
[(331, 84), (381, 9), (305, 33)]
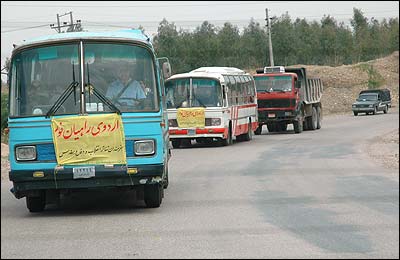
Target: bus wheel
[(228, 140), (153, 195), (176, 143), (37, 203), (258, 130), (249, 135), (166, 180)]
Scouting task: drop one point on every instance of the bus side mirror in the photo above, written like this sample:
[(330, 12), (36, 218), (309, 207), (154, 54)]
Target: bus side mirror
[(224, 91), (166, 68)]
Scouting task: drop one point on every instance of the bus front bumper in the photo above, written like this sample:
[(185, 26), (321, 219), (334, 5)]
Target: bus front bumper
[(198, 133), (24, 182)]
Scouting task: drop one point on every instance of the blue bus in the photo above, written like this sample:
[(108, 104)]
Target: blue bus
[(63, 88)]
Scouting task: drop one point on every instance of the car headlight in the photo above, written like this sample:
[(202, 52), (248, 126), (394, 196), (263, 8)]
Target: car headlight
[(25, 153), (371, 106), (215, 121), (353, 105), (144, 147)]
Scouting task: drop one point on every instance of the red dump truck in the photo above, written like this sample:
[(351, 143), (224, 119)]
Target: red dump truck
[(287, 96)]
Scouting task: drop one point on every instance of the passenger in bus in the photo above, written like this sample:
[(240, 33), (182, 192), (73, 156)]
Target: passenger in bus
[(125, 91)]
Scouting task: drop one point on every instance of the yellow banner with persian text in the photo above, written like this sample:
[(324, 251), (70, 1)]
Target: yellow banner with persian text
[(191, 117), (97, 139)]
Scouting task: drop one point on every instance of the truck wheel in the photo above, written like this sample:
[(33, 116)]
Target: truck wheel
[(153, 195), (258, 130), (37, 203), (314, 119), (298, 126), (319, 116), (176, 143), (355, 113), (385, 110), (271, 127)]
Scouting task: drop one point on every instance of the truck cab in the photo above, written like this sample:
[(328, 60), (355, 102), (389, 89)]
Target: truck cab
[(277, 95), (287, 96)]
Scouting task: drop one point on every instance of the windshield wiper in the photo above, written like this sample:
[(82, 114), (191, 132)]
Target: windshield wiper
[(62, 98)]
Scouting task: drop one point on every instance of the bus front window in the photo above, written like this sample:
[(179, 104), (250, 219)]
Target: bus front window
[(40, 76), (202, 93), (46, 80)]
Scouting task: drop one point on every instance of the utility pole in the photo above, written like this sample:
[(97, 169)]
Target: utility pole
[(72, 27), (268, 24)]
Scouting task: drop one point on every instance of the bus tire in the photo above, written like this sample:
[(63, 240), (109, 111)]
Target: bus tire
[(166, 180), (176, 143), (36, 203), (228, 140), (153, 195), (249, 135), (258, 130)]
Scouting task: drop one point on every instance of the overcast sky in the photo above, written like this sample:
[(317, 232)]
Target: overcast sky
[(26, 19)]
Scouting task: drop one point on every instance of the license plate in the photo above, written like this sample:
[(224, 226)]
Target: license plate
[(83, 172), (191, 131), (271, 115)]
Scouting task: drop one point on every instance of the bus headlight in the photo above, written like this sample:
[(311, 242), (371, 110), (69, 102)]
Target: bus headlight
[(215, 121), (25, 153), (172, 123), (144, 147)]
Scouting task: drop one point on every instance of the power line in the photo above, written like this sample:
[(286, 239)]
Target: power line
[(26, 28)]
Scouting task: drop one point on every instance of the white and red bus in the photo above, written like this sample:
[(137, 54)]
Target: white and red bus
[(211, 104)]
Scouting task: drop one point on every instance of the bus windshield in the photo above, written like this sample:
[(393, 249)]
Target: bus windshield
[(43, 76), (273, 83), (201, 93)]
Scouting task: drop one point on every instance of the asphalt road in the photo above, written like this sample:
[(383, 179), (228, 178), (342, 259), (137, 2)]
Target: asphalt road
[(310, 195)]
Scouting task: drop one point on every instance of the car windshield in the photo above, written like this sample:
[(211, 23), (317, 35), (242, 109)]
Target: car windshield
[(202, 93), (45, 78), (273, 83), (368, 97)]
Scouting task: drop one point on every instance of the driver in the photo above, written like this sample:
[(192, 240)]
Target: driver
[(124, 90)]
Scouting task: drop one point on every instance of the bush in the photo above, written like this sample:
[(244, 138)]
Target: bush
[(375, 80)]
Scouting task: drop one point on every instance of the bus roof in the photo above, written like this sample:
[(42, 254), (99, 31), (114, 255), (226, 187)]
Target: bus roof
[(128, 34), (210, 72)]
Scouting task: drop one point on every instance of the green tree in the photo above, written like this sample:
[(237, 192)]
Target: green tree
[(361, 35)]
